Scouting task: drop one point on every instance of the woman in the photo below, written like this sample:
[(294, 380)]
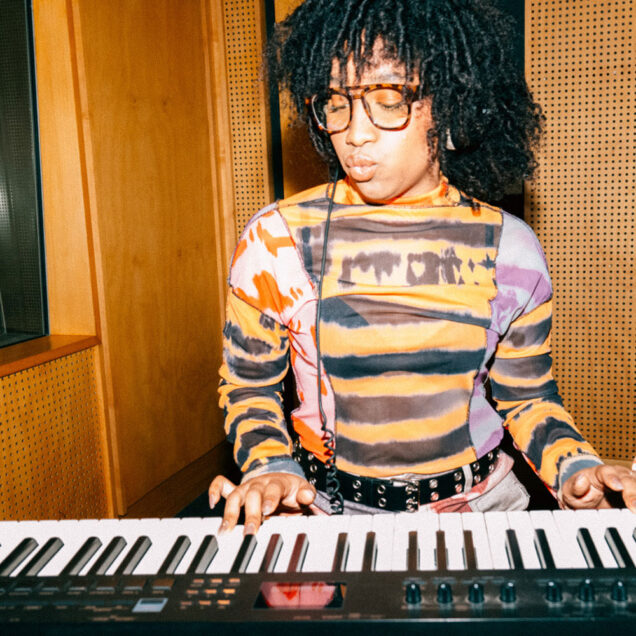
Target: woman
[(424, 311)]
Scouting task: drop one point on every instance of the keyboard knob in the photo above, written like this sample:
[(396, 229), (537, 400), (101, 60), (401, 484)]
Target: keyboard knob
[(586, 591), (553, 592), (476, 593), (444, 594), (618, 592), (413, 594), (508, 593)]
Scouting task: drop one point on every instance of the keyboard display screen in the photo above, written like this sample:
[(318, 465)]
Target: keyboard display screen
[(301, 595)]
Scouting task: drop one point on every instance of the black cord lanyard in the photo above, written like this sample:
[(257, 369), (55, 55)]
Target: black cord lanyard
[(336, 499)]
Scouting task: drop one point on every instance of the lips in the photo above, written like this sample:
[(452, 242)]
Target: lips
[(360, 168)]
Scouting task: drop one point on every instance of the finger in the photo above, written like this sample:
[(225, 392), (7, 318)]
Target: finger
[(306, 495), (272, 496), (629, 491), (253, 510), (609, 477), (233, 505), (221, 486), (580, 485)]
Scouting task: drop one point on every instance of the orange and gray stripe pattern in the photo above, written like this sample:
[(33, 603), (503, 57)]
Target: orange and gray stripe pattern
[(435, 333)]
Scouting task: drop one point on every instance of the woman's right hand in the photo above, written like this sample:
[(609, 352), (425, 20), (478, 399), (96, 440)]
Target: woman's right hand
[(260, 496)]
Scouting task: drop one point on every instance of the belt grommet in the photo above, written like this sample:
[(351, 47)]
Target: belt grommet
[(357, 484), (381, 489), (477, 479), (382, 502), (434, 496), (410, 489), (357, 496), (458, 488), (490, 456), (491, 468), (312, 481), (432, 483), (475, 465), (457, 475), (311, 457), (313, 468)]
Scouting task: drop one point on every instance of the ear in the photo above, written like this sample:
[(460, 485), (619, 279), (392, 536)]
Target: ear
[(423, 107)]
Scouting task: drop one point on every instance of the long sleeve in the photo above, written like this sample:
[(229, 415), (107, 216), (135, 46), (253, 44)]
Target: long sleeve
[(256, 348), (521, 379)]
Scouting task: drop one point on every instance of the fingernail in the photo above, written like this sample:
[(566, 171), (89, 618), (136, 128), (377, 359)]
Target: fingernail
[(250, 528), (616, 484), (224, 526), (267, 508), (212, 504)]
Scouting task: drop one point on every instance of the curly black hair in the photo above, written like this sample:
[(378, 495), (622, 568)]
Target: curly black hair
[(461, 50)]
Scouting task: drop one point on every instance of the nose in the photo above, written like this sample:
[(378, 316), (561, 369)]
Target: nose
[(361, 129)]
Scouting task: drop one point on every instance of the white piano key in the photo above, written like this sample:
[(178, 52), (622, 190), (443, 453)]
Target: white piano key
[(196, 529), (383, 526), (474, 521), (290, 528), (569, 522), (322, 533), (42, 531), (625, 522), (358, 528), (496, 525), (162, 534), (402, 525), (12, 534), (566, 554), (130, 530), (73, 535), (229, 545), (519, 521), (273, 525), (427, 524), (451, 524)]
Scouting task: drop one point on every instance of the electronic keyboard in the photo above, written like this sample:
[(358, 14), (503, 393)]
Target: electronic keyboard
[(571, 571)]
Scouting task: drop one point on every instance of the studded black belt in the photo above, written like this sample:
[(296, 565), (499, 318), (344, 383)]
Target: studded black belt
[(396, 495)]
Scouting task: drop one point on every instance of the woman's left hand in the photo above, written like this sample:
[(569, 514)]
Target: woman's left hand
[(594, 487)]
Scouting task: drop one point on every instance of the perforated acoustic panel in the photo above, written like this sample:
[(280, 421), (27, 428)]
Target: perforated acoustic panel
[(580, 65), (51, 453), (244, 26)]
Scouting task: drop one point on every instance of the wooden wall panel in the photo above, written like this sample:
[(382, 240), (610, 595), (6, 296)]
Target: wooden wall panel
[(144, 95), (580, 65)]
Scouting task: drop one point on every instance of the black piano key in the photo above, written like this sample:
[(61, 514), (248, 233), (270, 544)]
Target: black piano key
[(298, 553), (588, 548), (543, 549), (413, 555), (106, 558), (619, 551), (43, 556), (370, 553), (341, 554), (206, 552), (272, 553), (244, 554), (135, 554), (81, 557), (470, 559), (513, 551), (441, 558), (175, 555), (17, 555)]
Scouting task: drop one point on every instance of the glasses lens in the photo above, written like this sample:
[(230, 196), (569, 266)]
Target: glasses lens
[(332, 111), (388, 107)]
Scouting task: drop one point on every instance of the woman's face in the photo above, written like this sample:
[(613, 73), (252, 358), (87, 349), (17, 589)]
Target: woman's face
[(385, 164)]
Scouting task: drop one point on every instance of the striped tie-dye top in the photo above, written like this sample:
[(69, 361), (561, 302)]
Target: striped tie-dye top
[(434, 333)]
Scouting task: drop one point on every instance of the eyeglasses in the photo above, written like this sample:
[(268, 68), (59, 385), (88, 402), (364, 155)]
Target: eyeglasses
[(388, 106)]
